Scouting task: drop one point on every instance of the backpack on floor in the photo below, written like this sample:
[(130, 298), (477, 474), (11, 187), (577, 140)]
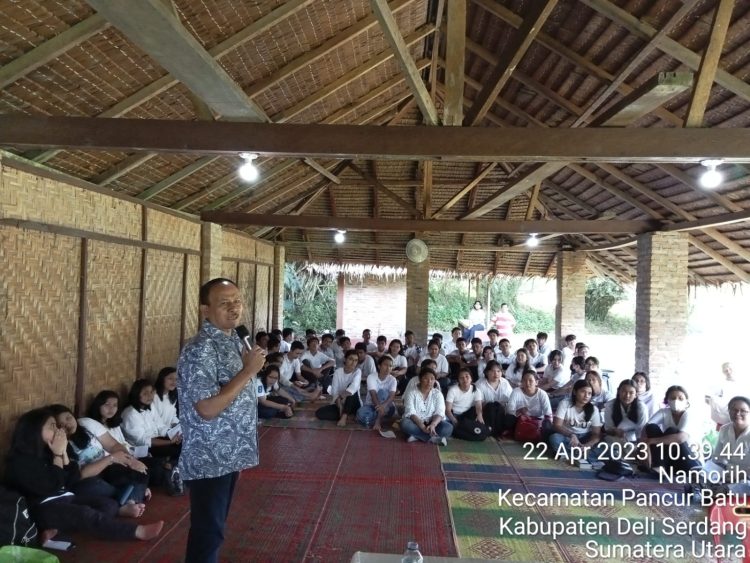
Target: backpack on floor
[(16, 526)]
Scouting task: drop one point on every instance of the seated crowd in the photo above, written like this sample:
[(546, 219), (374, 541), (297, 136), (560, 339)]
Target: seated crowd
[(81, 474)]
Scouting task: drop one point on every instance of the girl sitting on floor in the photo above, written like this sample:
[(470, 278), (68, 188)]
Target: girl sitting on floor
[(531, 401), (424, 411), (107, 468), (463, 408), (165, 397), (270, 402), (495, 391), (599, 395), (625, 415), (517, 367), (381, 393), (645, 396), (667, 434), (344, 391), (488, 355), (732, 451), (39, 468), (577, 421)]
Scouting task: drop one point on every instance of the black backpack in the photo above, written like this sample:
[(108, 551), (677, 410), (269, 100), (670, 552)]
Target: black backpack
[(16, 526)]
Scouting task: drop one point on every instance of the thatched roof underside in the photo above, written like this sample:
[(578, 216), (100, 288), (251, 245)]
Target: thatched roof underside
[(328, 61)]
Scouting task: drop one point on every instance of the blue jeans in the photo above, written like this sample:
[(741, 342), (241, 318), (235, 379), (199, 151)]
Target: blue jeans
[(409, 427), (209, 507), (367, 415)]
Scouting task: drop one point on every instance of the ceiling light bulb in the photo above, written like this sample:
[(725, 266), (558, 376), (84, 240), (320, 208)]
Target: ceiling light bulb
[(339, 237), (248, 171), (533, 241), (711, 178)]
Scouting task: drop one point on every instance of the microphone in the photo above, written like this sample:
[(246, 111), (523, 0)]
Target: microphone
[(244, 335)]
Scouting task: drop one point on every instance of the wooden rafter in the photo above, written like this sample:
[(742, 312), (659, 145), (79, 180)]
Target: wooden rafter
[(409, 142), (434, 225), (51, 49), (389, 26), (427, 189), (692, 183), (121, 168), (497, 250), (377, 184), (635, 61), (514, 52), (667, 45), (178, 176), (471, 200), (455, 55), (470, 187), (375, 206), (436, 48), (709, 64)]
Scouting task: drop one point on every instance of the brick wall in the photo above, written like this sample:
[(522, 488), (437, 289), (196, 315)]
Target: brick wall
[(661, 305), (375, 303), (570, 314)]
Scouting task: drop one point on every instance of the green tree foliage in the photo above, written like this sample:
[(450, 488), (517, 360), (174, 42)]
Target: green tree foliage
[(309, 299), (601, 295)]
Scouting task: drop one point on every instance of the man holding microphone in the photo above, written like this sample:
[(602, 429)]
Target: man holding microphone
[(218, 415)]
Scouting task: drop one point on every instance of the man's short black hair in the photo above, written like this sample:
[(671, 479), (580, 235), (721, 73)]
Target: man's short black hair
[(287, 332), (541, 335), (360, 346), (296, 345), (205, 290)]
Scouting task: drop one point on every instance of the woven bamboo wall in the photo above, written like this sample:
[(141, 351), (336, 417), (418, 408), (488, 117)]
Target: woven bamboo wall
[(262, 306), (163, 314), (192, 309), (170, 230), (246, 283), (113, 295), (39, 297), (237, 245)]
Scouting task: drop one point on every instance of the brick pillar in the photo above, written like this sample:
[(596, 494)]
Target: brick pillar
[(279, 260), (417, 290), (211, 241), (570, 313), (661, 304)]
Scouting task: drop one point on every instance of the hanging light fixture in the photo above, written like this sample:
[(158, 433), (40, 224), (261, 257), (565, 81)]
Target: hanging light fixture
[(711, 178), (533, 241), (339, 237), (248, 171)]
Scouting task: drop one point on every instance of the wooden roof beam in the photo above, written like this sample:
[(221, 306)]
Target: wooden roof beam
[(514, 52), (497, 250), (556, 47), (435, 225), (667, 45), (383, 188), (51, 49), (635, 61), (455, 55), (436, 48), (389, 26), (475, 144)]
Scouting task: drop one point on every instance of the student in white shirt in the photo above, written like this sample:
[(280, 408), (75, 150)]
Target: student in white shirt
[(645, 396), (487, 356), (344, 345), (381, 344), (344, 392), (577, 422), (381, 392), (270, 402), (165, 398), (463, 408), (327, 347), (625, 416), (495, 391), (504, 355), (433, 353), (424, 412), (569, 349), (365, 363), (600, 395), (369, 345), (529, 400), (668, 426), (287, 337), (400, 364), (411, 350), (555, 375), (537, 360), (544, 347), (315, 365), (452, 344), (732, 451), (519, 365)]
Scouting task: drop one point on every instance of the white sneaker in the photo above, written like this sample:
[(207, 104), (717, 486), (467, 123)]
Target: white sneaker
[(412, 439)]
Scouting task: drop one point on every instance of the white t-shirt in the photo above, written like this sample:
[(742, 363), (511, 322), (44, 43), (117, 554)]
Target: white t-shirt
[(367, 367), (632, 429), (499, 395), (462, 401), (98, 429), (558, 377), (664, 419), (514, 373), (287, 369), (576, 421), (441, 361), (399, 362), (538, 404), (284, 346), (343, 381), (165, 411), (733, 450), (374, 383), (317, 360), (140, 427), (425, 409)]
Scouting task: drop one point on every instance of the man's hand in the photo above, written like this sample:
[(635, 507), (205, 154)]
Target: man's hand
[(253, 360)]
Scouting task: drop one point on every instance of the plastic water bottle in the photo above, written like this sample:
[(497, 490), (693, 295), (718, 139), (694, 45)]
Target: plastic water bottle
[(412, 555)]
